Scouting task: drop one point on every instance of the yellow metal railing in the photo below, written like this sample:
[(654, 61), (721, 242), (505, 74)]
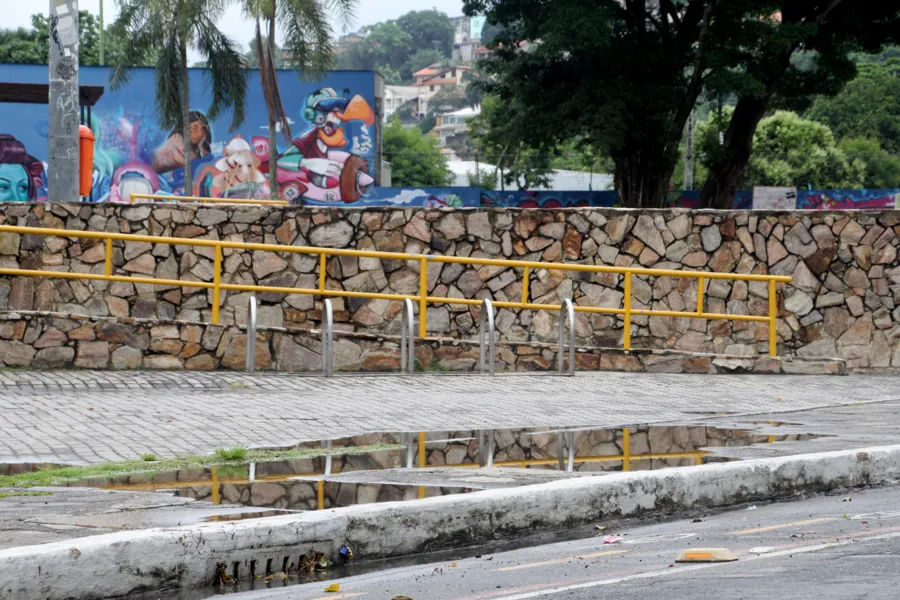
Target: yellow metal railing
[(423, 299), (204, 200)]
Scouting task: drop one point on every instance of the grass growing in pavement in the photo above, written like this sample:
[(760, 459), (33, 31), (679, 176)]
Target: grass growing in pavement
[(149, 457), (232, 454), (64, 475), (17, 494)]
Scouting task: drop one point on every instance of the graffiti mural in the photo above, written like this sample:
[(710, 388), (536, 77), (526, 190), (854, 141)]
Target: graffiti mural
[(330, 161), (448, 197), (847, 199), (543, 199)]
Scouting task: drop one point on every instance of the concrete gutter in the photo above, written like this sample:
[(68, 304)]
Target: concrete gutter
[(185, 557)]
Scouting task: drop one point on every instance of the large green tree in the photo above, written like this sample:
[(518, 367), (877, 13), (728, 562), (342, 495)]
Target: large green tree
[(764, 74), (167, 28), (308, 41), (415, 158), (429, 30), (882, 170), (624, 80), (868, 107)]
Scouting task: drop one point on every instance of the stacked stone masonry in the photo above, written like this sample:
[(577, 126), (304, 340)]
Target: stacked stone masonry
[(842, 302)]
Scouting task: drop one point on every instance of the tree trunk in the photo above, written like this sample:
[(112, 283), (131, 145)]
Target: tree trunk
[(186, 125), (272, 109), (642, 174), (726, 177)]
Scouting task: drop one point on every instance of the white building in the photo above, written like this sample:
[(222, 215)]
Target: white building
[(453, 123), (396, 96)]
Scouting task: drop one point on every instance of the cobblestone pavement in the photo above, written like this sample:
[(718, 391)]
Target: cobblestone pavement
[(94, 416)]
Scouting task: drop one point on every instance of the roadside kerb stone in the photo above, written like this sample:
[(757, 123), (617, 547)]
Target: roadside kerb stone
[(118, 563)]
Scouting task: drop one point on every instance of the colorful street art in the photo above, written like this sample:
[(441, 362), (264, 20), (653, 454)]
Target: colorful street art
[(330, 160), (847, 199), (542, 199)]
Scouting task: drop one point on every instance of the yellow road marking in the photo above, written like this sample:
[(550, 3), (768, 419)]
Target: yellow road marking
[(773, 527), (561, 560), (339, 596)]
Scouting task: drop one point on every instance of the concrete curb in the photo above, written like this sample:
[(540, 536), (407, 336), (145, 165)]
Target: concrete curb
[(116, 564)]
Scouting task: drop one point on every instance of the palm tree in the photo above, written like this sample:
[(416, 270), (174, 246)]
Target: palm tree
[(308, 43), (167, 28)]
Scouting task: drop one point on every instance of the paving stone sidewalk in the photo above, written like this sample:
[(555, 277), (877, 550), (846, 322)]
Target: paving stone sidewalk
[(95, 416)]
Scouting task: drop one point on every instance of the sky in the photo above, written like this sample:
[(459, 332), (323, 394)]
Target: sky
[(18, 14)]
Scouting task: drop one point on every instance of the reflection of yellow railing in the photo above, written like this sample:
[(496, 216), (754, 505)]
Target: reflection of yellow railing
[(203, 200), (421, 259)]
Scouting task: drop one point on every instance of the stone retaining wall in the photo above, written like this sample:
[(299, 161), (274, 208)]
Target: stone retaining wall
[(62, 341), (842, 302)]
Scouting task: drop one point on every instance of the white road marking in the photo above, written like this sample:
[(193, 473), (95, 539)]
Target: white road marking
[(671, 571)]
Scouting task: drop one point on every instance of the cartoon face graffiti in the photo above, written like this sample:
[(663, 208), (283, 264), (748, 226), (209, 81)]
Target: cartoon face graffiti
[(170, 155), (317, 166), (133, 178), (20, 173), (239, 171)]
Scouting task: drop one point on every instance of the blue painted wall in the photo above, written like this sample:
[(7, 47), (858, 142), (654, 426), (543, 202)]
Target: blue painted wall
[(129, 137)]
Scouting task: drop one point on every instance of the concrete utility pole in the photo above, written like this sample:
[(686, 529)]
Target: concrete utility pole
[(102, 45), (689, 154), (64, 102)]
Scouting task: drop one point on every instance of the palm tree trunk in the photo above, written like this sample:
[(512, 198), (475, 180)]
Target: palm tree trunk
[(270, 101), (186, 125)]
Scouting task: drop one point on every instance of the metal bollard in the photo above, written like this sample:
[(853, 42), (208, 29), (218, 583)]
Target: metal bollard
[(252, 314), (407, 339), (487, 315), (327, 338), (566, 313)]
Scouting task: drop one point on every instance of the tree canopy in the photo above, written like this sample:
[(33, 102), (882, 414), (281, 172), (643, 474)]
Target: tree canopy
[(415, 158), (397, 49), (32, 45), (624, 81)]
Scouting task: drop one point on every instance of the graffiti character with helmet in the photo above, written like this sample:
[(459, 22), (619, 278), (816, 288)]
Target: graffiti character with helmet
[(317, 165)]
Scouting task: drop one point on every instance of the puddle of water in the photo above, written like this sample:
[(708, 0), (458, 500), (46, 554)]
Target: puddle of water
[(299, 484)]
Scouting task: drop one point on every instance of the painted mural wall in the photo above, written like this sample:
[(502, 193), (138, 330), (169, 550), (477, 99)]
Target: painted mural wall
[(330, 160)]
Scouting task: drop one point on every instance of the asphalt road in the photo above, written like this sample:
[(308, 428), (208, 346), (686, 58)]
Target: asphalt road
[(831, 547)]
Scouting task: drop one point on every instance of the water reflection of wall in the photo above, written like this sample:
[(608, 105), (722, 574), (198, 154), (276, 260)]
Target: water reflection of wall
[(330, 158)]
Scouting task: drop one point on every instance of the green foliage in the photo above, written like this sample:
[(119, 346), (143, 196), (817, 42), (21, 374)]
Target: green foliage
[(231, 454), (23, 494), (149, 457), (252, 55), (397, 49), (429, 29), (32, 46), (868, 107), (486, 178), (415, 158), (497, 133), (787, 151), (882, 170)]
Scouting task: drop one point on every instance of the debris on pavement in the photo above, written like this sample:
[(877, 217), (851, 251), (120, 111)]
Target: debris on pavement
[(706, 555), (334, 587), (751, 507), (345, 553), (762, 550), (612, 539)]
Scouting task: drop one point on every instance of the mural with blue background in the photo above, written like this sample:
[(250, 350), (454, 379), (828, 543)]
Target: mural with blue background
[(331, 159)]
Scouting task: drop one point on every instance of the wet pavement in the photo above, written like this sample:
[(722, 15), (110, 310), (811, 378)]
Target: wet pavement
[(85, 417), (827, 547)]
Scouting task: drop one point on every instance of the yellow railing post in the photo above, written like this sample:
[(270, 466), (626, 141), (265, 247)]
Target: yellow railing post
[(320, 494), (700, 282), (323, 267), (626, 449), (217, 282), (627, 326), (214, 477), (422, 460), (773, 315), (107, 266), (526, 272), (423, 295)]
